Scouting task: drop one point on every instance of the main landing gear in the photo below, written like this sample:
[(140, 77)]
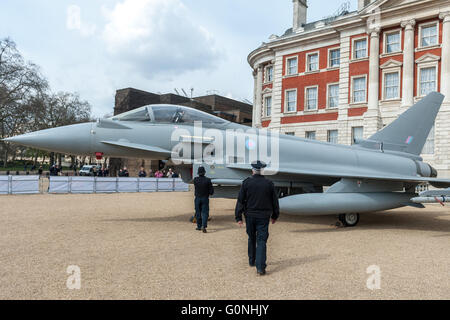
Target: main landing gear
[(349, 219)]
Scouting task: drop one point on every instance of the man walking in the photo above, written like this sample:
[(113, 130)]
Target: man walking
[(203, 189), (259, 202)]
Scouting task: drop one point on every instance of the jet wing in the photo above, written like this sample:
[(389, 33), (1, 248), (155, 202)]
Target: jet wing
[(438, 183), (141, 147)]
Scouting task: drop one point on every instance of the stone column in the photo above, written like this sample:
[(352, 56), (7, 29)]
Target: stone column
[(374, 72), (445, 65), (408, 64), (372, 118), (258, 99)]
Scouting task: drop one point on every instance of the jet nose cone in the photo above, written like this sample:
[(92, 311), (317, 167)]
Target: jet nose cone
[(74, 139), (18, 139)]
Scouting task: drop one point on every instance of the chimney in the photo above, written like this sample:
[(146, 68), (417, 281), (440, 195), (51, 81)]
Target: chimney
[(300, 8), (363, 3)]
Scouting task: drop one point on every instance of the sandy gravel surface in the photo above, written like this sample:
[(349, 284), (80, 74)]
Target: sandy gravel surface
[(141, 246)]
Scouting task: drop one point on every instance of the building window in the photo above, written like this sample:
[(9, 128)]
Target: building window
[(332, 136), (311, 135), (359, 90), (391, 85), (334, 58), (269, 74), (360, 49), (428, 80), (429, 35), (313, 62), (311, 98), (393, 42), (268, 106), (292, 66), (290, 133), (428, 148), (291, 100), (333, 95), (357, 134)]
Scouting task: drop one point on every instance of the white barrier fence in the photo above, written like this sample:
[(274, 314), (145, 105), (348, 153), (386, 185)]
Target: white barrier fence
[(19, 184), (114, 185)]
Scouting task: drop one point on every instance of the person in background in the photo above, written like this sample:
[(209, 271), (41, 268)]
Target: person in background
[(142, 173), (203, 190), (151, 174), (175, 175), (125, 172), (258, 200), (40, 170), (170, 173)]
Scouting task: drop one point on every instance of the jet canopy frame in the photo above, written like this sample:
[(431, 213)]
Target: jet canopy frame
[(162, 113)]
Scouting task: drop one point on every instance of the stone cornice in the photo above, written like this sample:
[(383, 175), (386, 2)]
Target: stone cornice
[(391, 64), (428, 58)]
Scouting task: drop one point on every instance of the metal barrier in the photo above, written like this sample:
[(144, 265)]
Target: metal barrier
[(114, 185), (19, 184)]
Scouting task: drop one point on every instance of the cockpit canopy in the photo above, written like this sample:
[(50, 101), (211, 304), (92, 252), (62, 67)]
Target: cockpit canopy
[(161, 113)]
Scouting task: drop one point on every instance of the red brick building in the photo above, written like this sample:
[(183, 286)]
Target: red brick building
[(349, 75)]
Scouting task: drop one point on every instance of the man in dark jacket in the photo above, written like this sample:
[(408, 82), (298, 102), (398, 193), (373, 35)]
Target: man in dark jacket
[(203, 189), (259, 202)]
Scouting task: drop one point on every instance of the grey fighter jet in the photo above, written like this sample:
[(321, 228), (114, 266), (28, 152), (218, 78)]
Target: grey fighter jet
[(376, 174)]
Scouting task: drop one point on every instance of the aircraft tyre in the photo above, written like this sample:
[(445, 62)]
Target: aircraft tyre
[(349, 219)]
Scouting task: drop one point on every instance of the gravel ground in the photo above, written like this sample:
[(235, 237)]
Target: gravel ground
[(141, 246)]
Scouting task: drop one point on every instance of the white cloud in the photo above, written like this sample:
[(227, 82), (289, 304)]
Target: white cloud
[(158, 37), (73, 21)]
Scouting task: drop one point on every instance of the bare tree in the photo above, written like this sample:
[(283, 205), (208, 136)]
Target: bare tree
[(26, 103)]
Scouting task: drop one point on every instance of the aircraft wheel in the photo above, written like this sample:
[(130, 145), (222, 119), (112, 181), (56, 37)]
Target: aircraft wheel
[(349, 219)]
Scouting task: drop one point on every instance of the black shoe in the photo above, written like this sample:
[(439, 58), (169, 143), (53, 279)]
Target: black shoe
[(251, 264), (261, 273), (204, 230)]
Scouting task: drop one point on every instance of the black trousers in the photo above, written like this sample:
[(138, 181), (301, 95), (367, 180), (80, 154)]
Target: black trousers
[(258, 233), (202, 211)]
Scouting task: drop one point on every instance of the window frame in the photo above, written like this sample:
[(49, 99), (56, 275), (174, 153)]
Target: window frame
[(306, 98), (308, 55), (354, 40), (337, 135), (329, 57), (385, 44), (352, 92), (311, 132), (266, 73), (287, 65), (328, 95), (286, 106), (383, 92), (420, 67), (265, 105), (424, 25), (353, 133)]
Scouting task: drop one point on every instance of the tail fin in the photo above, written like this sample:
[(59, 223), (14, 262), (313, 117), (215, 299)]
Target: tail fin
[(410, 131)]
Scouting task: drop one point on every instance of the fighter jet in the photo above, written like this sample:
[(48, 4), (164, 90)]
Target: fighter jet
[(376, 174)]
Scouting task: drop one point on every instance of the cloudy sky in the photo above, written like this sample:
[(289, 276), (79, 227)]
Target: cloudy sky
[(97, 46)]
